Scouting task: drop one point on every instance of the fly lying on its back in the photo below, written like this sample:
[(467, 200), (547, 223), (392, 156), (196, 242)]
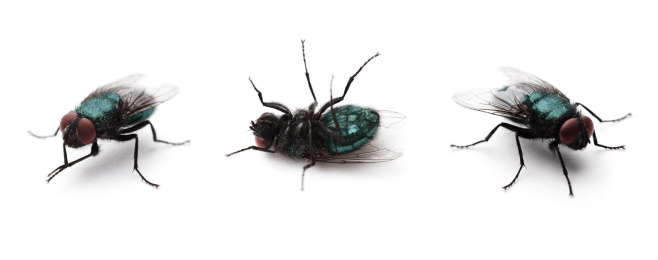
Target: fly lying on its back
[(112, 112), (314, 136), (541, 108)]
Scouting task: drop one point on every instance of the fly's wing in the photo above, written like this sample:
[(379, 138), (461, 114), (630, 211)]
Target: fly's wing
[(508, 100), (377, 150), (137, 98)]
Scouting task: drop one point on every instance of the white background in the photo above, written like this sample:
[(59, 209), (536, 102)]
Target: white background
[(433, 202)]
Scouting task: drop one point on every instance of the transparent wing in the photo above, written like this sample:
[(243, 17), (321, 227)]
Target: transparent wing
[(368, 153), (381, 148), (135, 96), (527, 82), (508, 100)]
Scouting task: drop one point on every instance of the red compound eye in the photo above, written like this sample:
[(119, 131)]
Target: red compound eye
[(67, 120), (260, 142), (86, 131), (570, 129)]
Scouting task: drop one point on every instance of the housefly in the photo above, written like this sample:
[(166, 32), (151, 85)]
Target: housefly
[(112, 112), (542, 110), (315, 136)]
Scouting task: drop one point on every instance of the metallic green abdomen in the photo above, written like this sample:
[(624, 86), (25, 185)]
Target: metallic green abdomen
[(548, 106), (139, 117), (99, 109), (357, 124)]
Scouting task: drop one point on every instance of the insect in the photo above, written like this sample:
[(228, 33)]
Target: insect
[(112, 112), (314, 136), (542, 109)]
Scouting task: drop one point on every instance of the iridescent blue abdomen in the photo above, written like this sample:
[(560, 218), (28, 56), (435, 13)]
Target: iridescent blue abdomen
[(548, 106), (357, 124)]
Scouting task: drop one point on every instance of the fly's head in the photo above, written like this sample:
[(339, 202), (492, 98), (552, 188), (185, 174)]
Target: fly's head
[(77, 130), (265, 129), (575, 132)]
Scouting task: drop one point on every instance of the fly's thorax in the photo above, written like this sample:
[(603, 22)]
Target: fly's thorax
[(575, 132), (358, 125), (548, 106), (100, 109), (265, 129), (77, 130)]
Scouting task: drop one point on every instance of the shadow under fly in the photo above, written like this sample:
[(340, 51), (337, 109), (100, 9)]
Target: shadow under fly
[(342, 135), (112, 112), (545, 112)]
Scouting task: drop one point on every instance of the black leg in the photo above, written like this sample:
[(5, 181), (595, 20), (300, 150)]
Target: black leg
[(123, 138), (275, 105), (44, 136), (564, 169), (312, 151), (596, 142), (518, 145), (347, 87), (513, 128), (155, 136), (598, 118), (308, 79), (251, 148), (94, 152)]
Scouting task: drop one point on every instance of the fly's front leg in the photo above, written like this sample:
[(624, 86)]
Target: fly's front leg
[(564, 170), (251, 148), (44, 136), (308, 78), (598, 118), (94, 152), (275, 105), (596, 142), (123, 138)]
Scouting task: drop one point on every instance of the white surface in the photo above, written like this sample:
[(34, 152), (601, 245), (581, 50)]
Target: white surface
[(433, 202)]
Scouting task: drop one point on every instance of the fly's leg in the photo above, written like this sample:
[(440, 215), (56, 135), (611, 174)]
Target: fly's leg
[(518, 145), (155, 137), (124, 138), (312, 151), (44, 136), (347, 87), (596, 142), (308, 79), (275, 105), (564, 169), (520, 132), (603, 121), (94, 152), (598, 118), (251, 148), (511, 127)]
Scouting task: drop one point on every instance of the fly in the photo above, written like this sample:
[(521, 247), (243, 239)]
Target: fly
[(112, 112), (314, 136), (542, 109)]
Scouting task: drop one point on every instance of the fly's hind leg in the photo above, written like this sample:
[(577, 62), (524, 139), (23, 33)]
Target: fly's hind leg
[(520, 132)]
